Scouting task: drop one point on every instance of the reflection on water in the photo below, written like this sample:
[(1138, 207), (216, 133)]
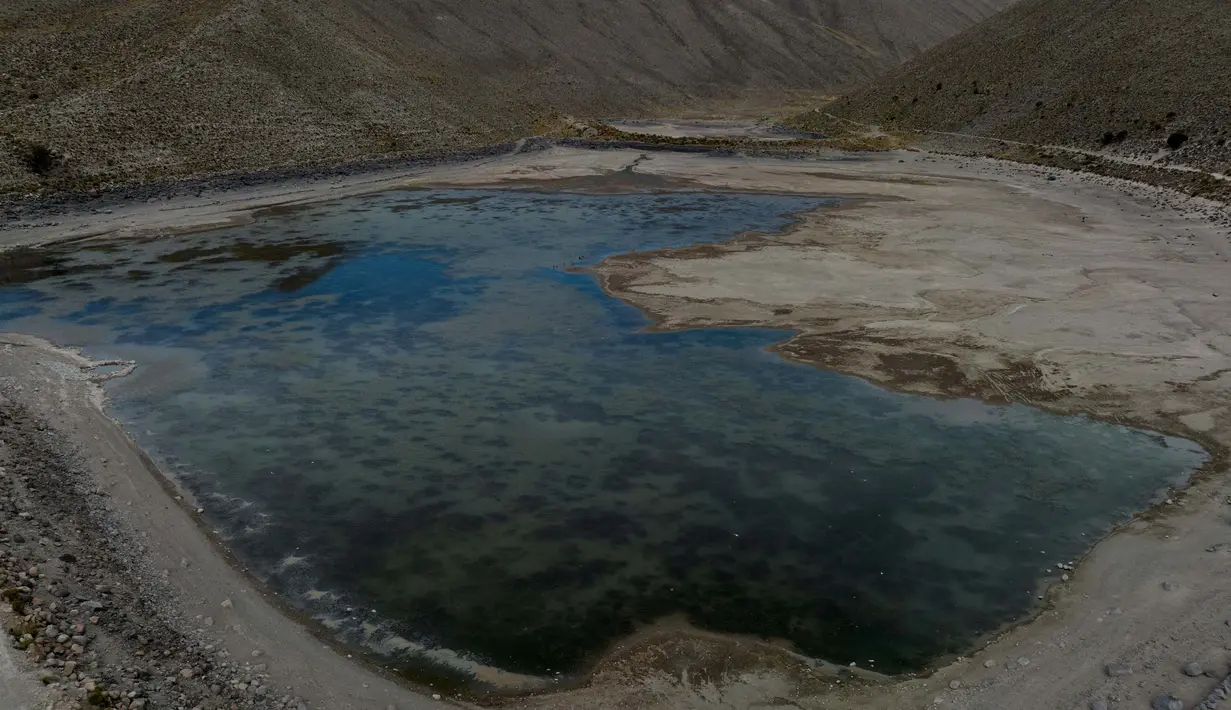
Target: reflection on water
[(407, 402)]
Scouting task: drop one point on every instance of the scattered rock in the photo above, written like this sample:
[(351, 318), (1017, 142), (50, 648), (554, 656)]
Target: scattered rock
[(1098, 704), (1115, 670), (1193, 669), (148, 655), (1169, 586), (1166, 702), (955, 684), (989, 663)]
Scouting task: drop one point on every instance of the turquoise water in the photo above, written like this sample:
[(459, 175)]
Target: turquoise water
[(405, 403)]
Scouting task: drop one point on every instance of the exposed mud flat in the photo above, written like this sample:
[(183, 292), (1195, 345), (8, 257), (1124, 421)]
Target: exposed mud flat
[(948, 278)]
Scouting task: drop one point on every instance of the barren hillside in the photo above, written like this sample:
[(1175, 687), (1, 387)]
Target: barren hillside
[(1149, 79), (149, 88)]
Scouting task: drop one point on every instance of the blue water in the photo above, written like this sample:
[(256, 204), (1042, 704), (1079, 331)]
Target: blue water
[(407, 403)]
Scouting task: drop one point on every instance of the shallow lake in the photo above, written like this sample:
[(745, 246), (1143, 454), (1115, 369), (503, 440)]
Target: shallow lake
[(408, 415)]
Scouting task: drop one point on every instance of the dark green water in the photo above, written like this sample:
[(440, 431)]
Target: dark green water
[(403, 403)]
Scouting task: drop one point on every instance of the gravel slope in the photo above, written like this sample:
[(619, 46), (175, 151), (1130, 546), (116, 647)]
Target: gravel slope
[(139, 90), (1120, 76), (114, 593)]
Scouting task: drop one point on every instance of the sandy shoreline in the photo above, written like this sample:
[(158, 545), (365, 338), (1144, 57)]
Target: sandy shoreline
[(201, 584), (949, 277)]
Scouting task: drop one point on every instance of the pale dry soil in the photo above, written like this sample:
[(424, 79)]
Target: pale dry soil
[(935, 275), (705, 128)]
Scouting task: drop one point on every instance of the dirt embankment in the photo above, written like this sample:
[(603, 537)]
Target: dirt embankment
[(97, 92)]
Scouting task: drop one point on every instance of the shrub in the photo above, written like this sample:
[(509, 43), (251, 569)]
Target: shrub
[(1177, 139), (99, 698), (16, 599), (40, 159)]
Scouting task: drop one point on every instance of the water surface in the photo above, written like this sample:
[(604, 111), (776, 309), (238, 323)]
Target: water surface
[(404, 406)]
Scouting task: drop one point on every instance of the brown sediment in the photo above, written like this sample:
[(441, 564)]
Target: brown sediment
[(673, 648), (903, 364), (900, 365)]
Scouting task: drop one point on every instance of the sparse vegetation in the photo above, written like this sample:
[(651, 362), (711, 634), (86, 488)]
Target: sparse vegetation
[(40, 159), (840, 134), (1111, 64), (99, 698), (16, 599), (1193, 183), (125, 90)]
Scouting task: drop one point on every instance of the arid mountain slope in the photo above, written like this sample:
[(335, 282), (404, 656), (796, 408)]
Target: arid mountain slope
[(1117, 75), (149, 88)]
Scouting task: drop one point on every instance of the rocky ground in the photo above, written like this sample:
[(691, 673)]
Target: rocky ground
[(1142, 80), (115, 593), (81, 603)]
